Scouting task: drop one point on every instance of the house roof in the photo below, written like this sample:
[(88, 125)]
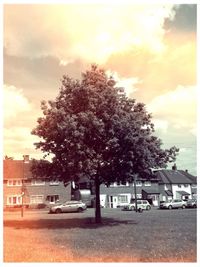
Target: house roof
[(16, 169), (183, 193), (150, 191), (175, 177), (169, 192), (116, 190), (191, 177)]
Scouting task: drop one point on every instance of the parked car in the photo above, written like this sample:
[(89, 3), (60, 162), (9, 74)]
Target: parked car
[(69, 206), (141, 205), (191, 203), (172, 204)]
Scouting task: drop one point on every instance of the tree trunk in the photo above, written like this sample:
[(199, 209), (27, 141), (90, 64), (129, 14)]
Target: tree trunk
[(97, 208)]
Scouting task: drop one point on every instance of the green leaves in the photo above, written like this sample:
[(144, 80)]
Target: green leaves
[(93, 129)]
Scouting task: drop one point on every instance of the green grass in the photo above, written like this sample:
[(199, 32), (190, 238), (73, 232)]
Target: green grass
[(155, 236)]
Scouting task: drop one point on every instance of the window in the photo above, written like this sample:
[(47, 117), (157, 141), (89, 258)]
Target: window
[(167, 187), (54, 183), (117, 184), (14, 182), (138, 196), (179, 185), (113, 185), (147, 183), (36, 199), (138, 183), (14, 200), (194, 185), (37, 182), (123, 199), (186, 185)]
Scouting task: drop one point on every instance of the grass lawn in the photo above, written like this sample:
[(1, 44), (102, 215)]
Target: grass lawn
[(152, 236)]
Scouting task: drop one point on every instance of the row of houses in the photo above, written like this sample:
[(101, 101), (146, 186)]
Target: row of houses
[(21, 188)]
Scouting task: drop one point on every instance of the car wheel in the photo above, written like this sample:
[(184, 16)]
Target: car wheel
[(80, 209), (140, 210), (170, 207), (58, 211), (132, 208), (148, 207), (183, 207), (195, 206)]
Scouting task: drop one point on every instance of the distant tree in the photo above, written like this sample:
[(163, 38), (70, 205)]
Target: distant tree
[(92, 129)]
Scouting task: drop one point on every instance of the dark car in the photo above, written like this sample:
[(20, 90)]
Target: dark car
[(191, 203)]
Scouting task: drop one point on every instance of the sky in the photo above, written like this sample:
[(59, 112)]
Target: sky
[(149, 49)]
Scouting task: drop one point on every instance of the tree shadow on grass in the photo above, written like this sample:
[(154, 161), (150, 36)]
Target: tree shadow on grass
[(88, 223)]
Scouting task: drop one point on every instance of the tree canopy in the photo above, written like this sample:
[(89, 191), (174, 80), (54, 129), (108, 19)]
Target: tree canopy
[(93, 129)]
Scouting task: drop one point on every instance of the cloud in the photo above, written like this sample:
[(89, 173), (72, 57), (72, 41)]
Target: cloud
[(185, 18), (40, 77), (178, 107), (161, 72), (19, 117), (14, 102), (160, 125), (129, 84), (91, 32), (18, 141)]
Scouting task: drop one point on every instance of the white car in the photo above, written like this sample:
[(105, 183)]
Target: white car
[(69, 206), (173, 204), (141, 205)]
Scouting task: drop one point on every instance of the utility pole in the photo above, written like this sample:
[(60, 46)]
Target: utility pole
[(135, 191), (22, 196), (22, 190)]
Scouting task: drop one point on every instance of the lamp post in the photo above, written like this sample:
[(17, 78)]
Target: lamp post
[(22, 196), (135, 191), (22, 192), (22, 188)]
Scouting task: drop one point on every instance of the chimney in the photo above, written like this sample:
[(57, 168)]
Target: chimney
[(26, 158), (8, 158), (174, 167)]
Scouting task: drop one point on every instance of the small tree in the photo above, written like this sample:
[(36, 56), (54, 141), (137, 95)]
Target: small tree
[(92, 129)]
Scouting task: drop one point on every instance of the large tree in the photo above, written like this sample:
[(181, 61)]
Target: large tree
[(93, 129)]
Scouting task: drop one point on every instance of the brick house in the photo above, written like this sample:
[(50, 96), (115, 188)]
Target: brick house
[(163, 185), (118, 195), (18, 182)]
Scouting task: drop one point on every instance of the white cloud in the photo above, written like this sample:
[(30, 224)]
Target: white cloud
[(160, 125), (92, 32), (178, 107), (19, 118), (182, 150), (14, 102), (129, 84)]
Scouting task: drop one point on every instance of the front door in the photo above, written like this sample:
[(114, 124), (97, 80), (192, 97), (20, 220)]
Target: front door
[(155, 200), (113, 202)]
